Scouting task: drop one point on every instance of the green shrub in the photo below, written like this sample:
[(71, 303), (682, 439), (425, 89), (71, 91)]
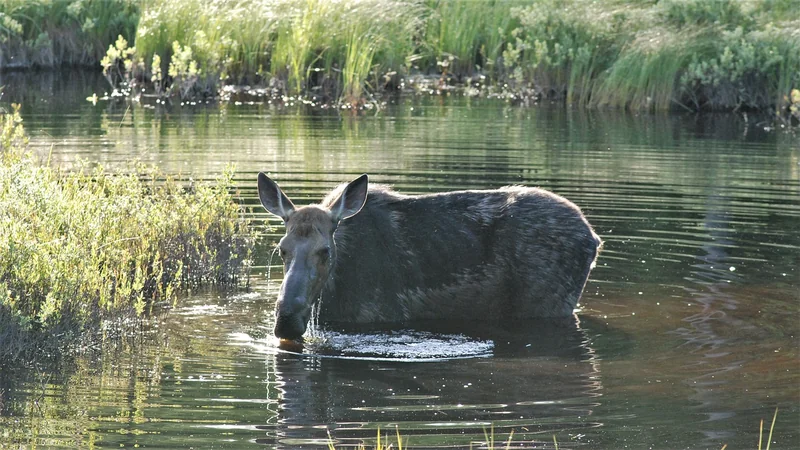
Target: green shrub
[(692, 13), (77, 246), (721, 54), (462, 36), (744, 70), (563, 46)]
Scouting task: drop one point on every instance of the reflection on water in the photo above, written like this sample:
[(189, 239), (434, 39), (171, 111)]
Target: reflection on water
[(687, 337)]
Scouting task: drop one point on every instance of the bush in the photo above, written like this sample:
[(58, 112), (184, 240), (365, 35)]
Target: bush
[(75, 247)]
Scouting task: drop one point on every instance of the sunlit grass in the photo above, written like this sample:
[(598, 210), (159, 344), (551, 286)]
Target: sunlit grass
[(695, 54), (78, 246), (490, 443)]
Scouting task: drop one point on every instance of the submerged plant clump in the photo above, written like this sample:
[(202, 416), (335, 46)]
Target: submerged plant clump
[(77, 247)]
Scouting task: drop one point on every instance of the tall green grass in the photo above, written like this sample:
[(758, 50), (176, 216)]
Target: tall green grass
[(462, 36), (299, 45), (78, 246), (47, 33), (696, 54), (613, 53)]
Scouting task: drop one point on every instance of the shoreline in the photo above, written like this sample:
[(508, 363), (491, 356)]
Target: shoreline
[(692, 55)]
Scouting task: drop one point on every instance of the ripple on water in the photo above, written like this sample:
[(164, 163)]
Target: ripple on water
[(405, 345)]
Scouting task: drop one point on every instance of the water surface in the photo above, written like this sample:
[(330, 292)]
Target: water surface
[(687, 336)]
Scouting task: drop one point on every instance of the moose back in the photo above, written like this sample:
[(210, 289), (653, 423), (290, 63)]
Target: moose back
[(368, 254)]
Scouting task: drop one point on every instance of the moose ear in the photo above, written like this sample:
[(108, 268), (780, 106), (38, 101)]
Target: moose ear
[(273, 199), (351, 200)]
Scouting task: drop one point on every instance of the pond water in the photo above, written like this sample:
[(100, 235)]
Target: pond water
[(687, 336)]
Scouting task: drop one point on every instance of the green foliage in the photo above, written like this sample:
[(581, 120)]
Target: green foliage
[(744, 69), (720, 54), (12, 135), (183, 69), (794, 104), (646, 74), (699, 54), (462, 36), (51, 33), (689, 13), (299, 41), (75, 246), (244, 41), (563, 45)]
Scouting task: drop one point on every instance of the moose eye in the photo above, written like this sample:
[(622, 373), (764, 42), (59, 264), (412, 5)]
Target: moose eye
[(324, 253), (282, 252)]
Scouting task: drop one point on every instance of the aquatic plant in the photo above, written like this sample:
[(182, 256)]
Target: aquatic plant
[(794, 104), (78, 246), (299, 45), (563, 47), (382, 442)]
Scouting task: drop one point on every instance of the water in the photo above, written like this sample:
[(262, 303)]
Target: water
[(687, 337)]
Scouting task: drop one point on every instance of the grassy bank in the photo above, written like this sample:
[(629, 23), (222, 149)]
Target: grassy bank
[(78, 247), (697, 54), (658, 55)]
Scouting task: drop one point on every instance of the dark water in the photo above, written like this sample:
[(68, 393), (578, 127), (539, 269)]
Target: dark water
[(687, 337)]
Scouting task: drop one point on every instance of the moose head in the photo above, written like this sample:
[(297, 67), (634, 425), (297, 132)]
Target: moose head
[(308, 248)]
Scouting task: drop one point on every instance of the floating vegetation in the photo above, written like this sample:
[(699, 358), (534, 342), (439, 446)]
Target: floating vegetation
[(77, 247)]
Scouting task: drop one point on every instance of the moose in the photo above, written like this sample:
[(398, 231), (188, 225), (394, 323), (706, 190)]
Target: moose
[(368, 254)]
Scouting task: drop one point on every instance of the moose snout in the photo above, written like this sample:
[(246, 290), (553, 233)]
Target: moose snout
[(291, 318), (289, 328)]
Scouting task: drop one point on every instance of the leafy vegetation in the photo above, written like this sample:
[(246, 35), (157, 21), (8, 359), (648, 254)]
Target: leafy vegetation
[(700, 55), (51, 33), (696, 54), (75, 247)]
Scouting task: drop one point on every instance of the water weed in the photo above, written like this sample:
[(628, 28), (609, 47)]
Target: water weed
[(76, 247)]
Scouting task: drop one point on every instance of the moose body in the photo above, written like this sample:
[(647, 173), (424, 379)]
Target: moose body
[(374, 255)]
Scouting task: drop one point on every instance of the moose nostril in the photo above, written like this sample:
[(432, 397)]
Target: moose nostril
[(289, 328)]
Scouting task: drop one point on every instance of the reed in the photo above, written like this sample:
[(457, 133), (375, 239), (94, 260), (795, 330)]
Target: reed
[(695, 54), (462, 37), (616, 53), (648, 74)]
